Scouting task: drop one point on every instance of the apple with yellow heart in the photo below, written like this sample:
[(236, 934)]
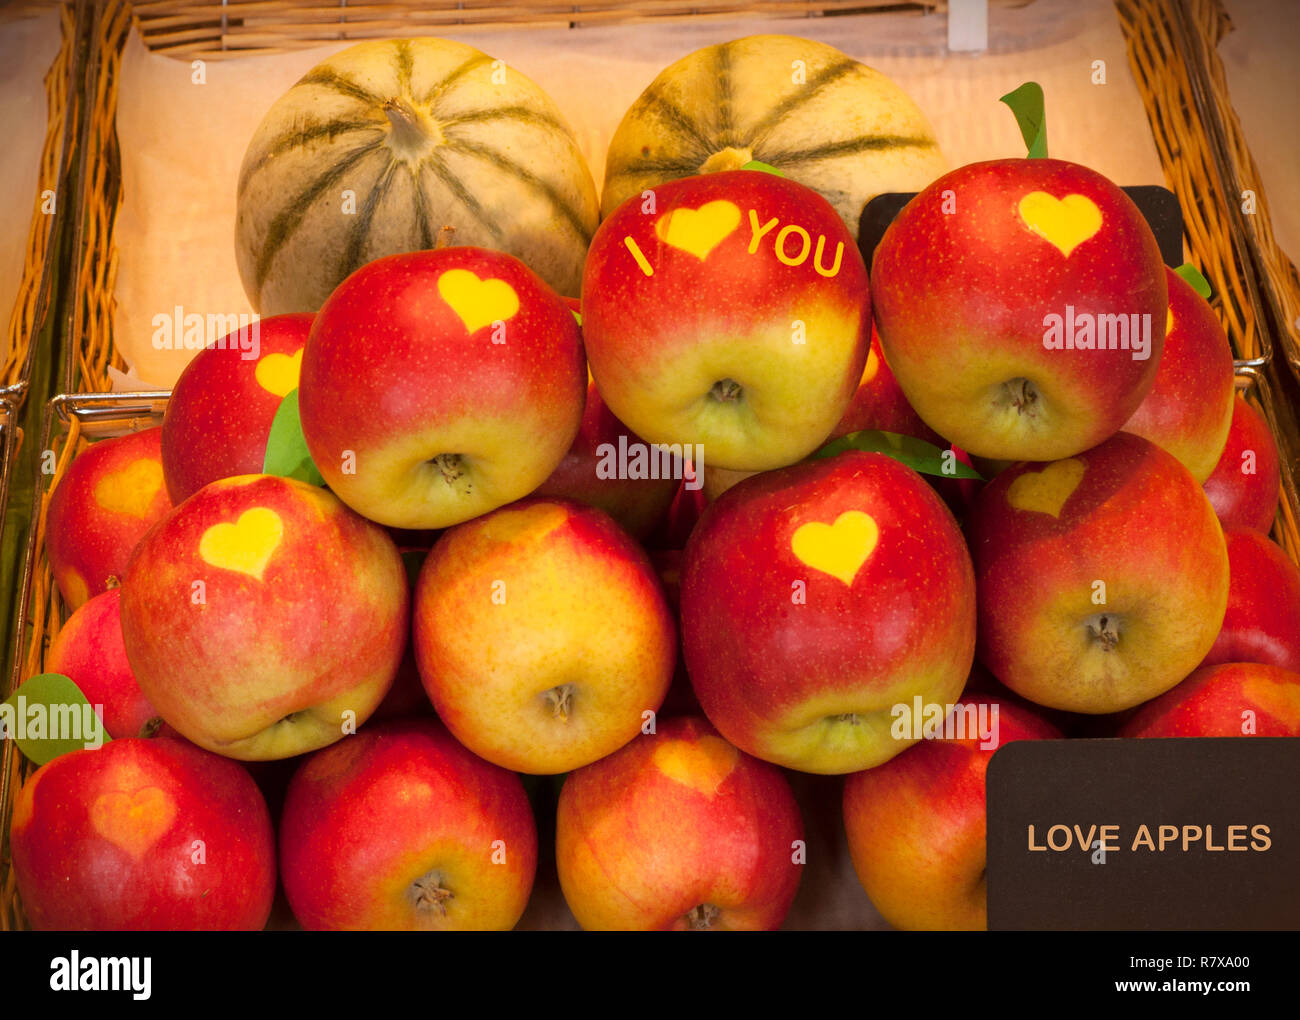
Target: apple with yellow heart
[(1103, 577), (439, 385), (111, 494), (263, 618), (678, 830), (220, 412), (1021, 304), (728, 310), (819, 603), (143, 835)]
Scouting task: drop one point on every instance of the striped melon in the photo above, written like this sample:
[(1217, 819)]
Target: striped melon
[(815, 114), (376, 149)]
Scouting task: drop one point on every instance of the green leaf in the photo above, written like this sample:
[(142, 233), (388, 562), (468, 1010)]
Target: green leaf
[(286, 449), (1026, 103), (1192, 275), (915, 453), (49, 716), (766, 168), (578, 316)]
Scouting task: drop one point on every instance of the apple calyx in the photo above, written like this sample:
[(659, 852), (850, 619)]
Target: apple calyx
[(1104, 630), (702, 916), (412, 135), (449, 466), (429, 894), (151, 727), (560, 698), (730, 158), (847, 717), (1021, 394), (726, 391)]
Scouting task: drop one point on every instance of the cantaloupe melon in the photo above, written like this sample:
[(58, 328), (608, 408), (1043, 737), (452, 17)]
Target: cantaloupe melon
[(818, 116), (376, 149)]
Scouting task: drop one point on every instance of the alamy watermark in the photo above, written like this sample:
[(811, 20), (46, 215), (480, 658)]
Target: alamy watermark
[(1087, 332), (641, 461), (191, 331)]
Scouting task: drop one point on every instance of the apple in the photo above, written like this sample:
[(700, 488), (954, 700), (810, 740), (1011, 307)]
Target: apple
[(818, 598), (1244, 486), (1227, 700), (143, 835), (1189, 409), (678, 830), (439, 385), (263, 618), (635, 490), (727, 312), (1262, 621), (221, 409), (916, 825), (1103, 577), (542, 635), (89, 650), (111, 494), (1021, 305), (401, 828)]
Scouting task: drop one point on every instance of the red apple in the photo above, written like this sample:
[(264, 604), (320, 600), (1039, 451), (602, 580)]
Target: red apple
[(610, 467), (1189, 408), (916, 824), (1228, 700), (1103, 577), (112, 493), (728, 311), (678, 830), (542, 635), (1262, 622), (263, 618), (818, 598), (439, 385), (143, 835), (88, 649), (221, 409), (1021, 305), (401, 828), (1243, 488)]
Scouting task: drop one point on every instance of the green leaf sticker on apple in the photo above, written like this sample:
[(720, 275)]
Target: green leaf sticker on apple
[(1193, 276), (286, 449), (917, 454), (49, 716), (767, 168), (1027, 104)]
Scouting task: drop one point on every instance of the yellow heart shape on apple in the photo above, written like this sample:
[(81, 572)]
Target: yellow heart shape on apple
[(701, 765), (476, 302), (699, 231), (1046, 491), (132, 489), (278, 373), (1064, 222), (133, 821), (245, 546), (837, 549)]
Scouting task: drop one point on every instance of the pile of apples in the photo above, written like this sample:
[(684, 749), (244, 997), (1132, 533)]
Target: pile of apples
[(514, 543)]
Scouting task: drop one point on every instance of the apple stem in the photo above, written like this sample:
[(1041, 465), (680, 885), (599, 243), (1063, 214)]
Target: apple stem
[(702, 916), (444, 237), (429, 893), (561, 701), (725, 391)]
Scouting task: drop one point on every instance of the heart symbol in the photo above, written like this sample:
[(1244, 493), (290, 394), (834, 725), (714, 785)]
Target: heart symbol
[(131, 490), (133, 821), (1169, 321), (245, 546), (837, 549), (701, 765), (477, 302), (1046, 491), (1065, 222), (699, 231), (278, 373)]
